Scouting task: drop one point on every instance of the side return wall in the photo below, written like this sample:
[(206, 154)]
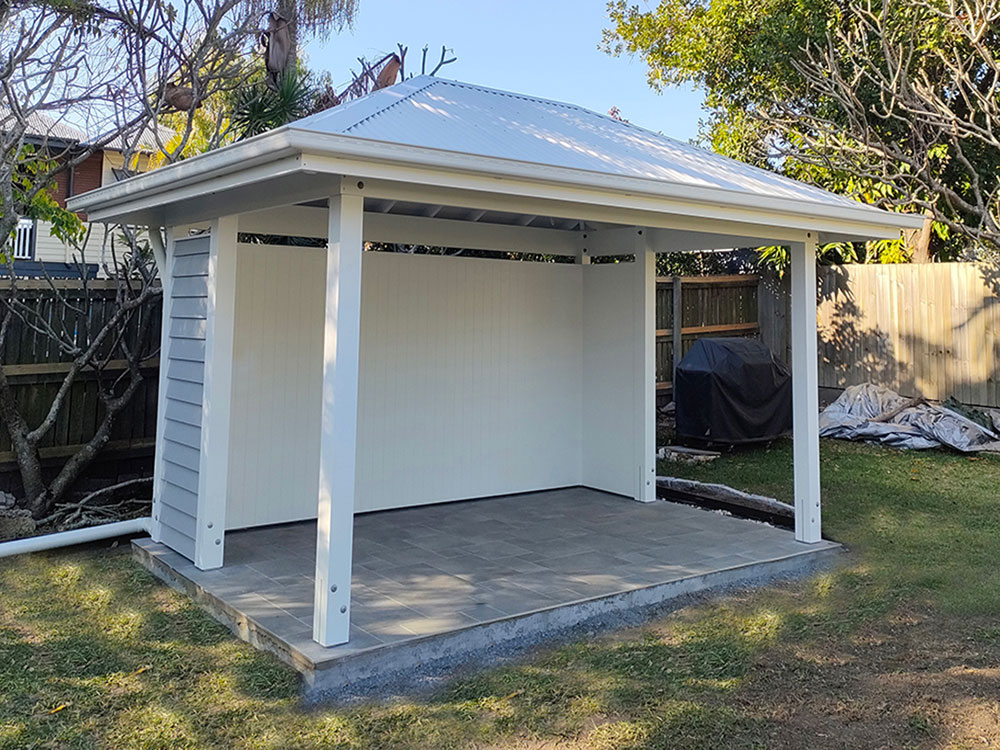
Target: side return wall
[(618, 392), (182, 377)]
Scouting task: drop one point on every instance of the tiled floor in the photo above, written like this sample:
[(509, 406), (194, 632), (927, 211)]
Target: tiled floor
[(434, 569)]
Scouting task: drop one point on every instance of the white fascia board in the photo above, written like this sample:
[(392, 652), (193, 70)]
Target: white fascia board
[(216, 184), (392, 182), (309, 221), (599, 208), (502, 170), (260, 149), (430, 170)]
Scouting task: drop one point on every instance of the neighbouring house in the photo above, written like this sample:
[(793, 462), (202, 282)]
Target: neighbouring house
[(323, 410), (34, 242)]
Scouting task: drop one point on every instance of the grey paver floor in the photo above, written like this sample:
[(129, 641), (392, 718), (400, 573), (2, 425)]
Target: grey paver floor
[(432, 569)]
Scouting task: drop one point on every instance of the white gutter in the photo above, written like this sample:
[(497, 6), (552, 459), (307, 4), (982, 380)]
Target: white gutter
[(260, 149), (288, 140), (77, 536)]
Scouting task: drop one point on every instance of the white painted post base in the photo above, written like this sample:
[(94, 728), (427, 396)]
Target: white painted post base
[(338, 439), (645, 368), (805, 391)]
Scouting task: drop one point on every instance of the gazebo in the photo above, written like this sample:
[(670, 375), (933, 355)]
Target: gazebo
[(303, 377)]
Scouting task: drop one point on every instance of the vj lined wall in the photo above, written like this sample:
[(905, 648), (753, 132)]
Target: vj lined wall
[(478, 377)]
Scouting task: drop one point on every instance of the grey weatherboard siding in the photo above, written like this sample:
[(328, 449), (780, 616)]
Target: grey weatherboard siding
[(185, 382)]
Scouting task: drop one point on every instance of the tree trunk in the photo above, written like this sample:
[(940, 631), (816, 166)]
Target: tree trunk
[(919, 242), (288, 10), (29, 462)]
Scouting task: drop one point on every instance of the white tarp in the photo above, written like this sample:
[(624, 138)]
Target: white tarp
[(921, 426)]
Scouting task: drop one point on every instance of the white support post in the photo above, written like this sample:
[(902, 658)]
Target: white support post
[(805, 391), (164, 260), (645, 369), (338, 441), (213, 475)]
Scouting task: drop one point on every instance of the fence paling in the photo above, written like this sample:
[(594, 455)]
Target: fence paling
[(706, 306), (928, 329), (36, 367)]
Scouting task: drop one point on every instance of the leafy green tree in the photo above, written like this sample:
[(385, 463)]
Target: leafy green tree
[(40, 205), (889, 101)]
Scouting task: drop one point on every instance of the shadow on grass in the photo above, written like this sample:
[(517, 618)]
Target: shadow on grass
[(91, 647), (94, 653), (920, 520)]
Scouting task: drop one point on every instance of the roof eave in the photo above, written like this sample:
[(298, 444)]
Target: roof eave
[(325, 145), (334, 153), (267, 147)]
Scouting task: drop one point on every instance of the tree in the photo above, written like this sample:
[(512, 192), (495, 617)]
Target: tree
[(110, 68), (263, 104), (287, 18), (890, 101), (111, 344), (191, 70)]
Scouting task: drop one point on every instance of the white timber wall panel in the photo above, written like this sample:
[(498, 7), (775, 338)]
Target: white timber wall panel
[(185, 367), (277, 374), (609, 378), (470, 381)]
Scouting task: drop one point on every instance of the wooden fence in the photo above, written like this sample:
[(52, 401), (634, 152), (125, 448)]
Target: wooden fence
[(928, 329), (36, 367), (707, 306)]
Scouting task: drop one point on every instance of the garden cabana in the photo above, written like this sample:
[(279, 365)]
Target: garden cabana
[(307, 382)]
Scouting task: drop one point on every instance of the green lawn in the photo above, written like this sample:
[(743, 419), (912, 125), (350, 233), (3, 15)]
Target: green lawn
[(900, 647)]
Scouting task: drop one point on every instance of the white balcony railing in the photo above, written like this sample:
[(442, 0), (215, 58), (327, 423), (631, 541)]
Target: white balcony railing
[(24, 240)]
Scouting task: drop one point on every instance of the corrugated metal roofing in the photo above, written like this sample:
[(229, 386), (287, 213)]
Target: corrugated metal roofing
[(461, 117), (153, 136), (42, 126)]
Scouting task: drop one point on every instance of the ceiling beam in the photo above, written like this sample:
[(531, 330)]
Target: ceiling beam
[(630, 240)]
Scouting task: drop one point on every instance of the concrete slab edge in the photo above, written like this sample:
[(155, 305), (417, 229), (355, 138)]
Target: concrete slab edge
[(420, 664), (242, 626)]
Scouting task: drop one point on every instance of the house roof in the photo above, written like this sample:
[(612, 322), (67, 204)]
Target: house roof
[(151, 139), (43, 127), (428, 131)]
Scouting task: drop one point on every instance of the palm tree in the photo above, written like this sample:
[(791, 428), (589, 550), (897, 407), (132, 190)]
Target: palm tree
[(257, 108)]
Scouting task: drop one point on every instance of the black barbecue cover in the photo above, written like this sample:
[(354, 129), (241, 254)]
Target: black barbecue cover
[(732, 390)]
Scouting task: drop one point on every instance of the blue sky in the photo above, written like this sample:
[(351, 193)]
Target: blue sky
[(547, 48)]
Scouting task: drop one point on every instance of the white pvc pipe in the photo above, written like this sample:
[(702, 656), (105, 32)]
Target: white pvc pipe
[(77, 536)]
